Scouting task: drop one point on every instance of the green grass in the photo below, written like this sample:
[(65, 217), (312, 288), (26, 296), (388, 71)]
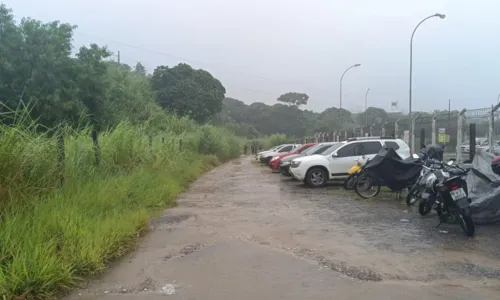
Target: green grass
[(52, 238)]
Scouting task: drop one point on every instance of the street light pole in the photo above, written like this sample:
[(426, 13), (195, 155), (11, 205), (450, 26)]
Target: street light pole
[(411, 69), (498, 100), (342, 78), (366, 107)]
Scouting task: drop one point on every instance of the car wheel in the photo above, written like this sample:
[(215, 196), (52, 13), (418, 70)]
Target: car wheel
[(316, 177)]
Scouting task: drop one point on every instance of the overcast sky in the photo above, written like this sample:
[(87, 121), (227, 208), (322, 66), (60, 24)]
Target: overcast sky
[(260, 49)]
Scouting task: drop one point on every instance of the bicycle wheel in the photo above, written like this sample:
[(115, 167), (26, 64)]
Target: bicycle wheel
[(366, 187)]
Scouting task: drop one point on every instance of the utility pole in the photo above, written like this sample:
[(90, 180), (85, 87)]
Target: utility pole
[(366, 106), (118, 56), (449, 112)]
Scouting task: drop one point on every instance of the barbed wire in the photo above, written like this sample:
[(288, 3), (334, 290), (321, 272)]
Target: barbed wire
[(478, 113)]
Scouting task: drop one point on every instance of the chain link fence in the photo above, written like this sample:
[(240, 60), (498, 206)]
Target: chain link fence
[(452, 129)]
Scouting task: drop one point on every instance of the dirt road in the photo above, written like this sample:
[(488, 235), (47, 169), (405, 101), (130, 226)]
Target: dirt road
[(241, 232)]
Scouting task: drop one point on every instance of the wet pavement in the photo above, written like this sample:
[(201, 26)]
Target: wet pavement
[(242, 232)]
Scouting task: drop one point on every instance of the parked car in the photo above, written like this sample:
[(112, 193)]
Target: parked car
[(284, 164), (465, 146), (273, 149), (486, 146), (267, 156), (316, 170), (274, 162)]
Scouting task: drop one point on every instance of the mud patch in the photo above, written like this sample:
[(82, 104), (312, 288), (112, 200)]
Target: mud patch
[(361, 273), (473, 270), (190, 249), (186, 250), (170, 219)]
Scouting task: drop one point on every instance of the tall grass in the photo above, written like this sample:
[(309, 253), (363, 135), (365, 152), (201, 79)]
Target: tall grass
[(275, 140), (52, 236)]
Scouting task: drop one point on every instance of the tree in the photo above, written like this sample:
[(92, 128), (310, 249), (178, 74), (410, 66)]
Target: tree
[(372, 115), (294, 99), (188, 92), (140, 69)]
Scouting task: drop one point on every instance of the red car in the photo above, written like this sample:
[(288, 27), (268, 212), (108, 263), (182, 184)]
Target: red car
[(275, 161)]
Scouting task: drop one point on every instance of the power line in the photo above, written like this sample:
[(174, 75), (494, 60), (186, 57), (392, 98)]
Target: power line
[(199, 62), (119, 57)]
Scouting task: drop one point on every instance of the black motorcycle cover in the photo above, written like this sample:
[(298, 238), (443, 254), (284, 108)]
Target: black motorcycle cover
[(432, 152), (395, 172)]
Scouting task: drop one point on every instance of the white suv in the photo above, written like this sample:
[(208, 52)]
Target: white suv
[(316, 170)]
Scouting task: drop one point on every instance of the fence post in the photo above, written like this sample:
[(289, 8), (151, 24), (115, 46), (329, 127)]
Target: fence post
[(371, 129), (383, 129), (491, 120), (396, 128), (61, 158), (422, 137), (472, 141), (316, 137), (459, 134), (412, 133), (433, 136), (492, 127), (96, 148)]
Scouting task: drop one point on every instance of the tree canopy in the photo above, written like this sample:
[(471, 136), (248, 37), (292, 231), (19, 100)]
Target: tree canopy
[(40, 71), (294, 99), (188, 92)]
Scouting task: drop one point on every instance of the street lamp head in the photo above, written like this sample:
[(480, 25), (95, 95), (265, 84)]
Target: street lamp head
[(442, 16), (357, 65)]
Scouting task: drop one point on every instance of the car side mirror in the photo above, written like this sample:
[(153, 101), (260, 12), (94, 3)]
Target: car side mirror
[(335, 154)]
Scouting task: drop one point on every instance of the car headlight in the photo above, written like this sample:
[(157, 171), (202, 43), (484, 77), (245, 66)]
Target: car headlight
[(285, 163), (295, 164)]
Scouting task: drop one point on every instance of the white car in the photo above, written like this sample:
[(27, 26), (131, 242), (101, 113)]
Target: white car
[(266, 156), (275, 148), (316, 170), (465, 146)]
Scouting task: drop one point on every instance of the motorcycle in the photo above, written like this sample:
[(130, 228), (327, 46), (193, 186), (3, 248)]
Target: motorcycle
[(388, 169), (354, 173), (446, 192), (425, 183), (453, 203)]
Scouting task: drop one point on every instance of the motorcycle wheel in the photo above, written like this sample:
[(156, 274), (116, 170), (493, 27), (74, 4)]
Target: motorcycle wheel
[(424, 208), (411, 198), (366, 187), (465, 219), (350, 182)]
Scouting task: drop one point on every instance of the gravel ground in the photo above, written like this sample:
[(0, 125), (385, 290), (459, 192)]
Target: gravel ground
[(244, 217)]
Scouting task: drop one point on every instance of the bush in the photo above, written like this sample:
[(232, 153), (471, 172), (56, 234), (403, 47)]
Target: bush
[(52, 236), (275, 140)]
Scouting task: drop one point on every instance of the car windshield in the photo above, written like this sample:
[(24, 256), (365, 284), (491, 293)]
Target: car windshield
[(311, 150), (321, 149), (305, 148), (332, 149)]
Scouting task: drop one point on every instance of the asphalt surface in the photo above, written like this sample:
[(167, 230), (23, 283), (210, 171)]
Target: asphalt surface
[(242, 232)]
